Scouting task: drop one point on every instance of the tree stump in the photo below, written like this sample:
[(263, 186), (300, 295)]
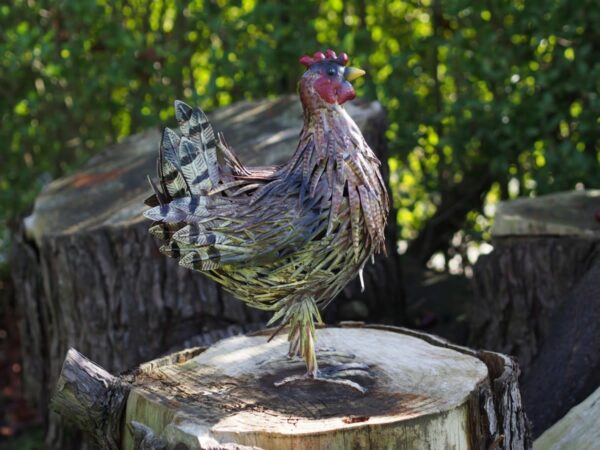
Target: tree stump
[(88, 275), (538, 298), (422, 393), (567, 368)]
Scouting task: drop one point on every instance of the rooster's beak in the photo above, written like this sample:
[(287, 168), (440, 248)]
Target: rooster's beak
[(352, 73)]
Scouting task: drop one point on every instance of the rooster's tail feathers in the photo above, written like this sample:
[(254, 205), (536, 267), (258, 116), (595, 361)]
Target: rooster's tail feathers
[(195, 127), (196, 200), (187, 165)]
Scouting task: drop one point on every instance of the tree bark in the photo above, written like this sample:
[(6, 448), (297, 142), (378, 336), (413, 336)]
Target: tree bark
[(520, 286), (537, 297), (88, 275), (224, 397), (91, 398), (567, 369)]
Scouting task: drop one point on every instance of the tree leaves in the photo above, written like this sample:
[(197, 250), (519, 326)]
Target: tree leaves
[(509, 85)]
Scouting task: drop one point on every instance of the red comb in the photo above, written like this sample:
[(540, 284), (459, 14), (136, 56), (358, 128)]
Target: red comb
[(329, 55)]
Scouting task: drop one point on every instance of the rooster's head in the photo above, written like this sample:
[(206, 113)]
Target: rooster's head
[(327, 79)]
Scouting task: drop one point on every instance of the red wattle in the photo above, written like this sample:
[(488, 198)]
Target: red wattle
[(333, 91)]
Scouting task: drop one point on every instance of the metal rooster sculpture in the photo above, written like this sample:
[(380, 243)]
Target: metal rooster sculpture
[(285, 239)]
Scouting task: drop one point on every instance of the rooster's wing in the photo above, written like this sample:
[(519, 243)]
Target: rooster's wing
[(203, 208)]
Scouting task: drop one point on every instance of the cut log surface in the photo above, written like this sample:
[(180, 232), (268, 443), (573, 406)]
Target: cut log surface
[(227, 393), (570, 213), (422, 394), (88, 274), (536, 298)]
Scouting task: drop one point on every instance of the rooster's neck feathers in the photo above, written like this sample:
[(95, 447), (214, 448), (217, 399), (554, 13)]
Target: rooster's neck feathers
[(334, 162)]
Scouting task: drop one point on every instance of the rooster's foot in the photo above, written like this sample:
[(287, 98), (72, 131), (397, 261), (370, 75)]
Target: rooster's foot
[(334, 374)]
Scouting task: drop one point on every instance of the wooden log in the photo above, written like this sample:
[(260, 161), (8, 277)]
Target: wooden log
[(531, 301), (576, 430), (88, 275), (91, 398), (423, 392), (567, 369)]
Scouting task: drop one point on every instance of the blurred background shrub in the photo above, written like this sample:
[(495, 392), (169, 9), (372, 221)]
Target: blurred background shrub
[(486, 100)]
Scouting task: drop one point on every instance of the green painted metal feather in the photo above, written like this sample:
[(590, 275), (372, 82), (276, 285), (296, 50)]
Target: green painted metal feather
[(285, 240)]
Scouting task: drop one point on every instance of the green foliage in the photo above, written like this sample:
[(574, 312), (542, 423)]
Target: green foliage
[(508, 89), (501, 88)]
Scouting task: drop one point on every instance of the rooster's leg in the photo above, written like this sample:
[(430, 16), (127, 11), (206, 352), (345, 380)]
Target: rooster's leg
[(301, 337)]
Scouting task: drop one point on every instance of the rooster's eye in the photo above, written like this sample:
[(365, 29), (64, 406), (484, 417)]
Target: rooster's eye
[(331, 71)]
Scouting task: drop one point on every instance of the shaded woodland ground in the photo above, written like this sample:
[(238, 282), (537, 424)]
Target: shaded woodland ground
[(20, 424)]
